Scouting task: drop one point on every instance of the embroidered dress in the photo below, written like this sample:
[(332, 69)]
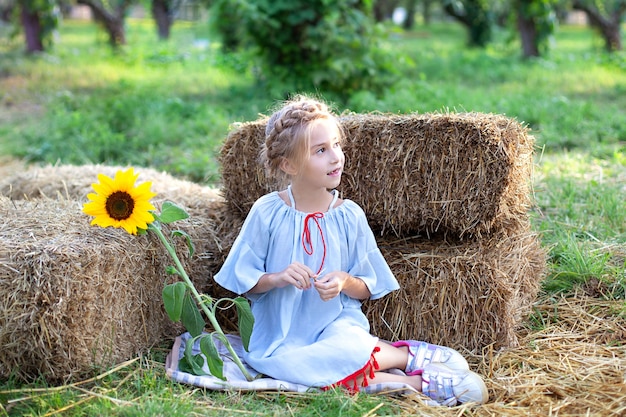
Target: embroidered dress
[(297, 337)]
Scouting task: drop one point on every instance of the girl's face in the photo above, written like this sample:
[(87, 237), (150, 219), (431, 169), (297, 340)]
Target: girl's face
[(324, 165)]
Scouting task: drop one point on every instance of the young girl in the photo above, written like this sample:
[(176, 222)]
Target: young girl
[(306, 258)]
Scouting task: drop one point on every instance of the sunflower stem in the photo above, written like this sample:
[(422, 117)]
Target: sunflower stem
[(202, 303)]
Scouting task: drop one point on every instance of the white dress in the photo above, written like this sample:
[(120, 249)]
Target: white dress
[(297, 337)]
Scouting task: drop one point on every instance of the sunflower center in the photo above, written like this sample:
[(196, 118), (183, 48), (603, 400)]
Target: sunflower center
[(120, 205)]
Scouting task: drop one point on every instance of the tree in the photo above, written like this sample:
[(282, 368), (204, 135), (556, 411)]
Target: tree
[(411, 9), (536, 21), (313, 45), (38, 19), (163, 12), (606, 17), (383, 9), (475, 15), (110, 14)]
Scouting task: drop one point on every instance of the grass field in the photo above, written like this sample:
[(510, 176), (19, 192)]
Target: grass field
[(169, 106)]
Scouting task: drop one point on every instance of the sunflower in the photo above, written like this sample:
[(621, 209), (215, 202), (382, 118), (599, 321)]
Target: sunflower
[(118, 203)]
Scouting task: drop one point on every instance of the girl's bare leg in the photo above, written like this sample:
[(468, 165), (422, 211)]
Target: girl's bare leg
[(390, 357)]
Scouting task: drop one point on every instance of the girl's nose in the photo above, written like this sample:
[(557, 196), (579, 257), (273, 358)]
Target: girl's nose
[(336, 154)]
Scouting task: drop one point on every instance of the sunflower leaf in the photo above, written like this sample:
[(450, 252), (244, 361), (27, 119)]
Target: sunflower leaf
[(191, 363), (173, 297), (245, 320), (170, 213), (187, 238), (213, 359), (171, 270), (191, 317)]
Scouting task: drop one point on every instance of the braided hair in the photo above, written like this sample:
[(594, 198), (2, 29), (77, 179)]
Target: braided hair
[(288, 133)]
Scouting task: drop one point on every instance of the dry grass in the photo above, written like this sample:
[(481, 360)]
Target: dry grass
[(573, 365)]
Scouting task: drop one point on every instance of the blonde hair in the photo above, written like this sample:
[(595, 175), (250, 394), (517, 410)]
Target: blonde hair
[(288, 133)]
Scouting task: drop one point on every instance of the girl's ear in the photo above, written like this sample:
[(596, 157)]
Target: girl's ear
[(288, 167)]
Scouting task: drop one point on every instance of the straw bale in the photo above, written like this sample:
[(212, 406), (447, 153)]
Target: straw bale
[(74, 183), (74, 296), (465, 294), (455, 173)]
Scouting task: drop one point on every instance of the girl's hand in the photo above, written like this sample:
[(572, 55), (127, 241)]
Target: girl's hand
[(296, 274), (330, 285)]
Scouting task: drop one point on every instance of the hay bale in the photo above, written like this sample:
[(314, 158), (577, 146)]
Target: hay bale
[(74, 183), (464, 174), (465, 294), (74, 296)]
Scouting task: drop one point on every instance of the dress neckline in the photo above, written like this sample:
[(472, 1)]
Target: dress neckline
[(293, 201)]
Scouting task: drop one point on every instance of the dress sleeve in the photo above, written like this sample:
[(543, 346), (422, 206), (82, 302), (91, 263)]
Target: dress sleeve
[(245, 263), (368, 262)]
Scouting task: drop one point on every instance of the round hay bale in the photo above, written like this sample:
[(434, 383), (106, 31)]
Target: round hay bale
[(75, 297), (464, 174), (463, 294)]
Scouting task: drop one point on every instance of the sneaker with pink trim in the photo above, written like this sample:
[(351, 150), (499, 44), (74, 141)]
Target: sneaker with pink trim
[(422, 353), (449, 387)]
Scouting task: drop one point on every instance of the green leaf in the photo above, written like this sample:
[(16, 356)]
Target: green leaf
[(191, 317), (187, 238), (173, 297), (245, 320), (170, 213), (213, 358), (191, 363), (170, 269)]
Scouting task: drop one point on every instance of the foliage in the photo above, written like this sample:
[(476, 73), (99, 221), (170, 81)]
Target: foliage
[(47, 14), (476, 16), (184, 304), (316, 45), (542, 14)]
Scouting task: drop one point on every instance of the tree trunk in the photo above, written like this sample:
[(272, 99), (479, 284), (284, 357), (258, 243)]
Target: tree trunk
[(528, 36), (162, 16), (32, 29), (608, 26), (111, 20)]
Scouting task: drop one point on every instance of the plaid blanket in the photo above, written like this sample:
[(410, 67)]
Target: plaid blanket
[(235, 379)]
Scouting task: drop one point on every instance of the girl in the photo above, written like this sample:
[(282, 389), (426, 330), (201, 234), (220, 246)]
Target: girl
[(306, 258)]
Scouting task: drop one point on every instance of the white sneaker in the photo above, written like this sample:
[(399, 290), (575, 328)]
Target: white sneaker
[(422, 353), (450, 386)]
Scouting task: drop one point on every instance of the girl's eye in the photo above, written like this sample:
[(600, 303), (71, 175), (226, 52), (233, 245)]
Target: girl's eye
[(320, 150)]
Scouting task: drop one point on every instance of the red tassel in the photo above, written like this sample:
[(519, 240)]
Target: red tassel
[(350, 382)]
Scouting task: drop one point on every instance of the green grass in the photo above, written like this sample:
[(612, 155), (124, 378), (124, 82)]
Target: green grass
[(169, 105)]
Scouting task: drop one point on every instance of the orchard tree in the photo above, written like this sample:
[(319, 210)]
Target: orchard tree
[(476, 16), (163, 13), (536, 22), (316, 45), (606, 17), (38, 19), (111, 15)]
